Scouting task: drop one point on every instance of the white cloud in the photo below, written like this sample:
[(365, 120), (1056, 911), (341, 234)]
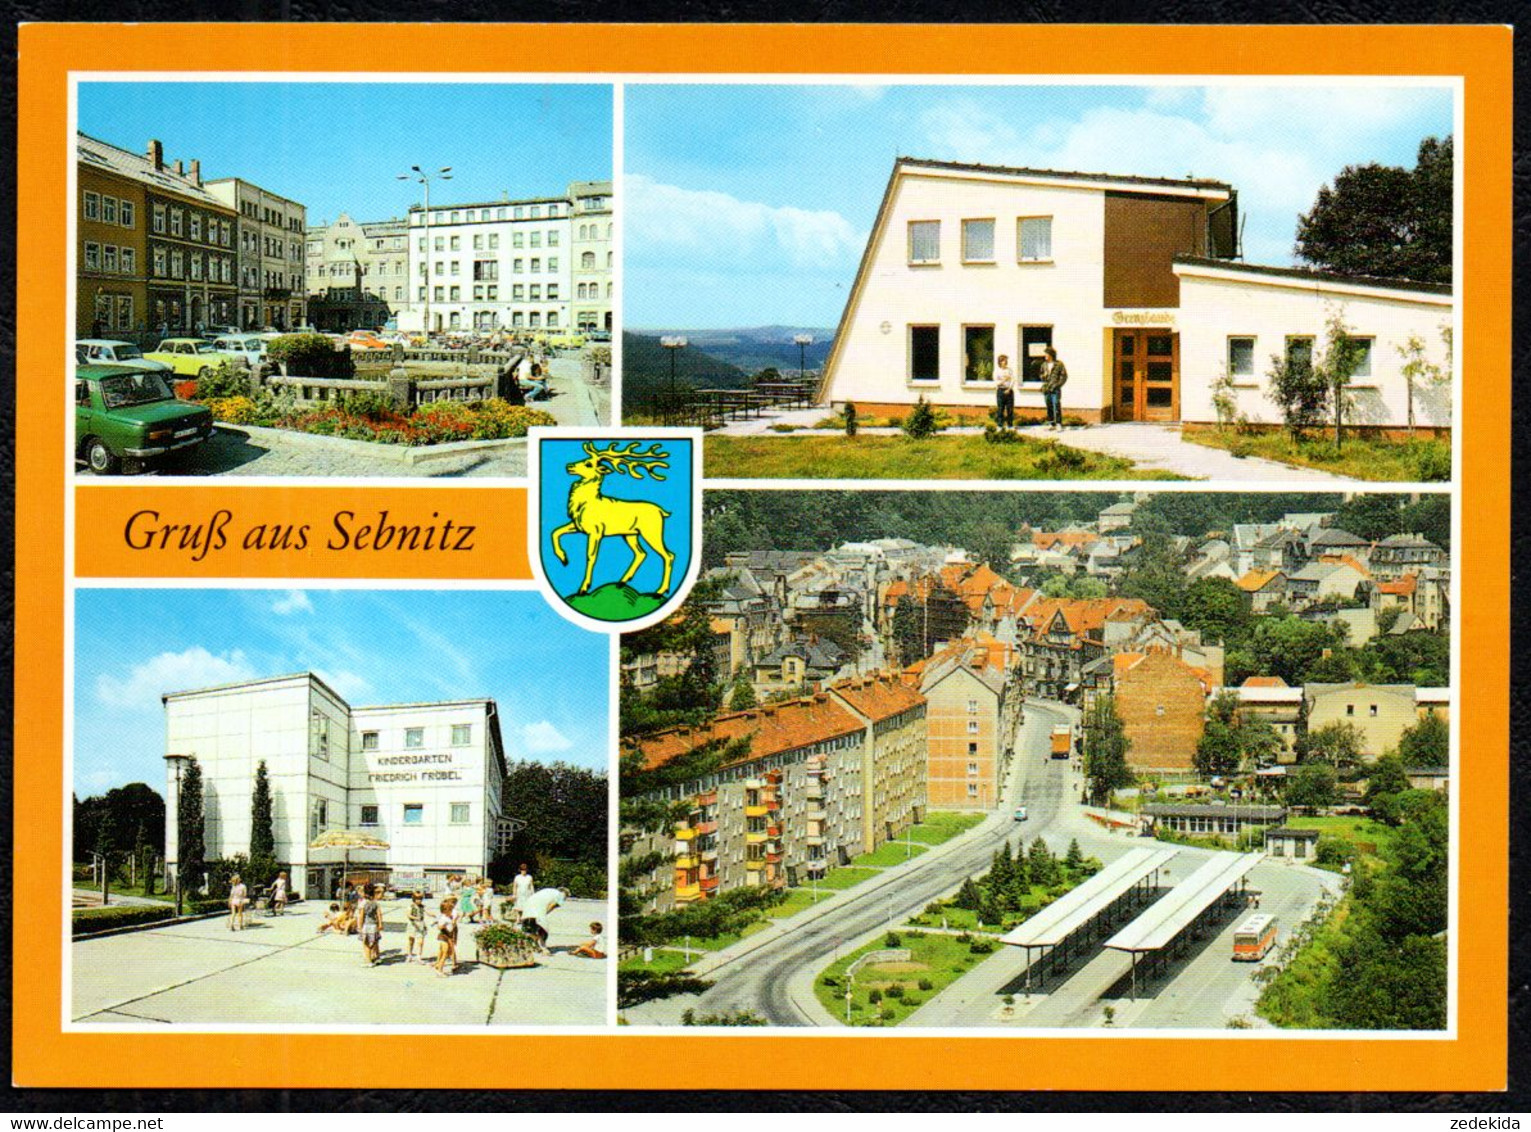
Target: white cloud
[(141, 688), (964, 130), (352, 685), (705, 223), (1324, 117), (542, 738), (293, 601)]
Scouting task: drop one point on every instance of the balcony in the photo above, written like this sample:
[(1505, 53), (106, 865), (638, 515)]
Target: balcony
[(684, 833), (773, 803), (709, 855), (815, 839), (753, 837), (688, 894), (706, 828), (773, 830), (773, 858), (755, 864), (704, 800), (686, 862), (816, 867), (816, 813), (753, 784), (754, 811), (710, 884)]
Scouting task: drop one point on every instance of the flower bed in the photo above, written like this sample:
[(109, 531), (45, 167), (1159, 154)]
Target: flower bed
[(440, 422), (503, 946)]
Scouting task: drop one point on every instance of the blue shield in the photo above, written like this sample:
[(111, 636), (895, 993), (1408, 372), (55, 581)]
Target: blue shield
[(616, 522)]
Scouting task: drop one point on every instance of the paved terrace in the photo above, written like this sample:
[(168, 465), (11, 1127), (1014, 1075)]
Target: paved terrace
[(280, 970)]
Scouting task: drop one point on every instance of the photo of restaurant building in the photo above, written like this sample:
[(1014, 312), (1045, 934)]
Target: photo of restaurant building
[(424, 778), (1134, 281)]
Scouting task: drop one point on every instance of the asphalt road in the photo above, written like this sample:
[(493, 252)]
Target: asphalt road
[(759, 981)]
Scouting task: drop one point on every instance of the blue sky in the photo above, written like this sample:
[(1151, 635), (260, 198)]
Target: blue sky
[(750, 205), (337, 147), (372, 646)]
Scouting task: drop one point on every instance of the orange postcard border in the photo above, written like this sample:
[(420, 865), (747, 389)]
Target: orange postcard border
[(1475, 1059)]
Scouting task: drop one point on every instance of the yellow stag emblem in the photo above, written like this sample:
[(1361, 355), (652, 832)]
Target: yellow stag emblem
[(598, 517)]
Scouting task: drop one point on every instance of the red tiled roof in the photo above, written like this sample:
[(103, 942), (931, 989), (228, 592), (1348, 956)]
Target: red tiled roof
[(1046, 540), (1264, 682), (1085, 616), (1403, 586), (772, 729), (878, 696)]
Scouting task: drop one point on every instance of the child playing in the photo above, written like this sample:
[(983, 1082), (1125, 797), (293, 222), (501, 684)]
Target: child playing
[(239, 896), (414, 930), (595, 948), (446, 936)]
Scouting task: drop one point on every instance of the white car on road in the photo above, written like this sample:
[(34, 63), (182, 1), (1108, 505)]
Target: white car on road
[(110, 352)]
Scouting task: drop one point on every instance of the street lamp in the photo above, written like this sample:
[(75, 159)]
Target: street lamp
[(803, 342), (425, 179), (177, 761), (673, 343)]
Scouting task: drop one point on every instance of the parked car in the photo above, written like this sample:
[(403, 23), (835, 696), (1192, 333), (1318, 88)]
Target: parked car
[(1020, 813), (211, 332), (365, 340), (251, 347), (122, 413), (192, 357), (110, 352)]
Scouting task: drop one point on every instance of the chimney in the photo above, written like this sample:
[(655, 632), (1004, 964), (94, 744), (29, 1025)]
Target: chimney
[(196, 171), (179, 171), (156, 154)]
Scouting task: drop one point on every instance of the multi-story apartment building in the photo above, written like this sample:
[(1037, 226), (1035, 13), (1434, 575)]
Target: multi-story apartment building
[(1061, 637), (111, 292), (1131, 279), (826, 777), (594, 254), (1397, 555), (357, 272), (425, 778), (270, 257), (973, 712)]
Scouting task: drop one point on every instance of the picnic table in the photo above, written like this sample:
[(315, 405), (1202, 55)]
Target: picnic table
[(793, 394)]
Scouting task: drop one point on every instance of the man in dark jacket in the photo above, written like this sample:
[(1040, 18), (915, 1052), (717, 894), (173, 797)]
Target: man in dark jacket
[(1054, 376)]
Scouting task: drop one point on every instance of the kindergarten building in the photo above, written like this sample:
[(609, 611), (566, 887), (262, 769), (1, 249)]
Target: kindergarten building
[(425, 778), (1135, 281)]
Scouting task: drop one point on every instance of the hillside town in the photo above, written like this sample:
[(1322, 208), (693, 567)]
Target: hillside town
[(1254, 673)]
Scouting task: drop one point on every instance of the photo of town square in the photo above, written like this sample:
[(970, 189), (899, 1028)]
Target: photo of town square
[(1043, 761), (337, 808), (1224, 281), (341, 300)]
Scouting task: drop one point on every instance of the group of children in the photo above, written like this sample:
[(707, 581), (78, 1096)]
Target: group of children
[(239, 900)]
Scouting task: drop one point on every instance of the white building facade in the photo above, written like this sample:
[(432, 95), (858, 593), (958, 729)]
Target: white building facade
[(425, 778), (270, 254), (1132, 280), (594, 255)]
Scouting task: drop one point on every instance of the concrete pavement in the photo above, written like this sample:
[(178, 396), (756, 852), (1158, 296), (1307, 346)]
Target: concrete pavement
[(280, 971)]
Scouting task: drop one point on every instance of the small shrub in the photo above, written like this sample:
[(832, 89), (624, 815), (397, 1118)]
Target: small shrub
[(896, 991), (994, 435), (1059, 459), (875, 997), (311, 355), (911, 1002), (226, 380), (1432, 461), (830, 980), (914, 935), (369, 405), (849, 416), (888, 1014), (921, 422), (1008, 1000), (926, 984), (935, 908), (892, 939), (964, 937), (232, 410), (981, 947), (783, 428)]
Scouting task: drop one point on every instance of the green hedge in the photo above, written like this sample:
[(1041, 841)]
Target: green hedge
[(584, 879), (86, 920)]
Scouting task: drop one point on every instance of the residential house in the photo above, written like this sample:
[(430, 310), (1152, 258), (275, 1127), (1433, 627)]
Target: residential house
[(1162, 704), (1405, 554), (973, 713), (1270, 699), (1262, 589), (1379, 712), (795, 665)]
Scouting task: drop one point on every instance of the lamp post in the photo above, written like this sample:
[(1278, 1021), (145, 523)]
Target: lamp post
[(424, 178), (177, 761), (672, 343), (803, 342)]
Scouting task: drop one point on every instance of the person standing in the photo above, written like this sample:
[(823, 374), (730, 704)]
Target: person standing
[(279, 895), (1004, 393), (446, 936), (414, 929), (239, 896), (1054, 376), (534, 913), (366, 918), (522, 888)]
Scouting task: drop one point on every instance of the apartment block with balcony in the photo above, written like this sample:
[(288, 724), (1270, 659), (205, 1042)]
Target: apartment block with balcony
[(973, 712)]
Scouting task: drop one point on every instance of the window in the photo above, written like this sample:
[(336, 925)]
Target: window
[(129, 262), (518, 266), (1299, 352), (1373, 711), (536, 292), (552, 292), (494, 239), (536, 240), (414, 813), (440, 244), (196, 225), (319, 729), (972, 789), (518, 292), (462, 734), (924, 241), (177, 266), (177, 222), (456, 267), (439, 293), (109, 210), (369, 815), (978, 353), (972, 768), (552, 315), (109, 257), (587, 261), (972, 727), (535, 319), (196, 265), (93, 257), (125, 214), (518, 239), (157, 219), (125, 311), (369, 740), (459, 815), (552, 263), (319, 818), (536, 212), (1350, 709), (1363, 357), (978, 241), (414, 738), (455, 294), (1241, 357), (552, 239), (478, 241), (92, 206), (1034, 239), (494, 292), (1034, 341), (536, 266), (924, 353), (457, 243)]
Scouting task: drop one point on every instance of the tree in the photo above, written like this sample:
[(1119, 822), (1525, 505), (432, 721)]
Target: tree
[(1418, 369), (262, 831), (1073, 860), (1341, 357), (742, 697), (1218, 751), (1299, 391), (1287, 646), (1217, 609), (1041, 864), (1427, 743), (989, 541), (106, 849), (1105, 751), (1337, 743), (1384, 220), (1312, 786), (563, 808), (191, 837)]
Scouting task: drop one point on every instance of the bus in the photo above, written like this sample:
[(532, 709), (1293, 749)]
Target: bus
[(1063, 741), (1254, 937)]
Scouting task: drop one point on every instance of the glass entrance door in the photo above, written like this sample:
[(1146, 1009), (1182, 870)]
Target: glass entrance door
[(1146, 375)]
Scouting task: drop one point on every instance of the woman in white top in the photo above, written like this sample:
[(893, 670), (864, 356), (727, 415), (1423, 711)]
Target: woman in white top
[(279, 895), (1004, 393), (239, 896), (522, 887)]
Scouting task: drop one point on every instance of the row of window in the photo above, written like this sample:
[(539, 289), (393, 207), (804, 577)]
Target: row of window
[(1033, 241), (490, 292), (176, 264), (188, 223), (482, 215), (413, 813), (114, 312), (272, 216), (1298, 349), (250, 278), (978, 353), (414, 737), (592, 232), (110, 210), (110, 258)]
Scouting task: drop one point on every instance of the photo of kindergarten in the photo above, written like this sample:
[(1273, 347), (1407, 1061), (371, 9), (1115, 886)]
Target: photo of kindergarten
[(1044, 761), (1230, 282), (337, 808), (337, 298)]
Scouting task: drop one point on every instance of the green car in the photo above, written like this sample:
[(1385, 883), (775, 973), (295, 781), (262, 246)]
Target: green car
[(193, 357), (123, 413)]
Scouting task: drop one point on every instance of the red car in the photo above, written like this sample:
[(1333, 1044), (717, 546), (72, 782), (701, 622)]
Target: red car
[(365, 340)]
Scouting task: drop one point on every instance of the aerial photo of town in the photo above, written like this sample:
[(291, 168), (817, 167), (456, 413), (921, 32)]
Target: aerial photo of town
[(1044, 760)]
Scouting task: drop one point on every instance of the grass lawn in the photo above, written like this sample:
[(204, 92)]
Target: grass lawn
[(943, 826), (938, 960), (797, 900), (898, 457), (1368, 836), (664, 962), (1364, 458), (837, 879), (888, 854), (966, 919), (122, 888)]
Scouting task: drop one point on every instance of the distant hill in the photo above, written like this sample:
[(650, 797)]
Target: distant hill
[(756, 348), (646, 368)]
